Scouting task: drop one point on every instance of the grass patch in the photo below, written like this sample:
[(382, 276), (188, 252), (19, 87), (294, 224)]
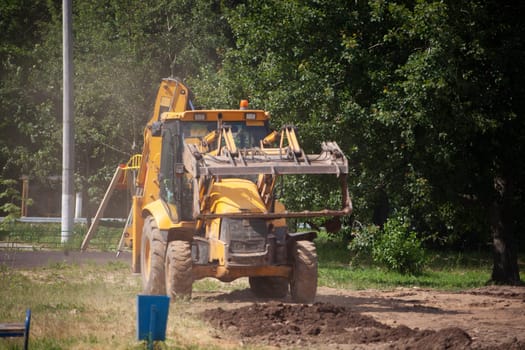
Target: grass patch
[(446, 270), (91, 307), (378, 278), (94, 307), (74, 307)]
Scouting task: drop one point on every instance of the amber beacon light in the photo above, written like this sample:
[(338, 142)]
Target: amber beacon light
[(244, 104)]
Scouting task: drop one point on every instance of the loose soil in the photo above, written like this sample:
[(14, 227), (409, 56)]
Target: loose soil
[(491, 317), (406, 318)]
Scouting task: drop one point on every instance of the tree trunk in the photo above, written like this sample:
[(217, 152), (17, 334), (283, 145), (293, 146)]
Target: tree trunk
[(381, 208), (505, 269)]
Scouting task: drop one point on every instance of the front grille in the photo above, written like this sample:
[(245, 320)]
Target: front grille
[(244, 236), (252, 246)]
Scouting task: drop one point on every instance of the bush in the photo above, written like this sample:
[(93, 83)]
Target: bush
[(362, 243), (9, 195), (398, 248)]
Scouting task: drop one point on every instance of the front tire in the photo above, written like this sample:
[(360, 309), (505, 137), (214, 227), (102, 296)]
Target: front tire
[(303, 284), (179, 277), (153, 252)]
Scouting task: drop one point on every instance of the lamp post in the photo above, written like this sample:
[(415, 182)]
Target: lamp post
[(68, 139)]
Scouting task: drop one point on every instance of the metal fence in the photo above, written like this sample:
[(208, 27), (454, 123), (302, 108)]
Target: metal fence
[(45, 233)]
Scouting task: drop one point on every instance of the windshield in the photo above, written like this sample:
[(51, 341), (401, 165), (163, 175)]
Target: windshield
[(245, 136), (177, 189)]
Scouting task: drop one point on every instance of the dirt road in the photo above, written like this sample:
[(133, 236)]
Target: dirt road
[(406, 318)]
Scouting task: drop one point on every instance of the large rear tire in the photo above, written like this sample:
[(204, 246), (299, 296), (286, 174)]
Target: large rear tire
[(303, 284), (153, 252), (269, 287), (179, 277)]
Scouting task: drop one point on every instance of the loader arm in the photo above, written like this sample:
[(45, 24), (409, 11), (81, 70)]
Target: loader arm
[(268, 163)]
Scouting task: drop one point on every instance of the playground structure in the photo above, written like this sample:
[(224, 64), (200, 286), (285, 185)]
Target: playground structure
[(124, 178)]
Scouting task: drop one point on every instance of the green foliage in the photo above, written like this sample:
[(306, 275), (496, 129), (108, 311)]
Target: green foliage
[(9, 196), (425, 98), (362, 243), (394, 246), (398, 248), (121, 51), (331, 249)]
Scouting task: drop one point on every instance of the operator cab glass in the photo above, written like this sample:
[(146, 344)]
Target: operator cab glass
[(177, 189), (245, 136)]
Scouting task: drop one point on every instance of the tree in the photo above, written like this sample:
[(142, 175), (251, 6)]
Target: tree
[(24, 104), (425, 97), (121, 51), (454, 103)]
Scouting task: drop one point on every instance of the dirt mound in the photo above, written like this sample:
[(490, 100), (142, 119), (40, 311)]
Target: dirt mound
[(281, 324)]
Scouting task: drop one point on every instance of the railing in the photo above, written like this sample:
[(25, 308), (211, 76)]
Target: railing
[(134, 162), (45, 233)]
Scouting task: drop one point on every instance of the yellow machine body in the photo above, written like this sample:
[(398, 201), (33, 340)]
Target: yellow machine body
[(204, 203)]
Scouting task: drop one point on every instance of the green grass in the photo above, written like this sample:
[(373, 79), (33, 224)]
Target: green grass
[(378, 278), (93, 306), (445, 270), (72, 306)]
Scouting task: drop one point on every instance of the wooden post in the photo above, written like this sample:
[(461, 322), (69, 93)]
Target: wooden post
[(25, 195), (94, 225)]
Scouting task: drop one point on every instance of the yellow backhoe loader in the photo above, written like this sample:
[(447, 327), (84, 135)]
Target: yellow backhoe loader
[(205, 204)]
